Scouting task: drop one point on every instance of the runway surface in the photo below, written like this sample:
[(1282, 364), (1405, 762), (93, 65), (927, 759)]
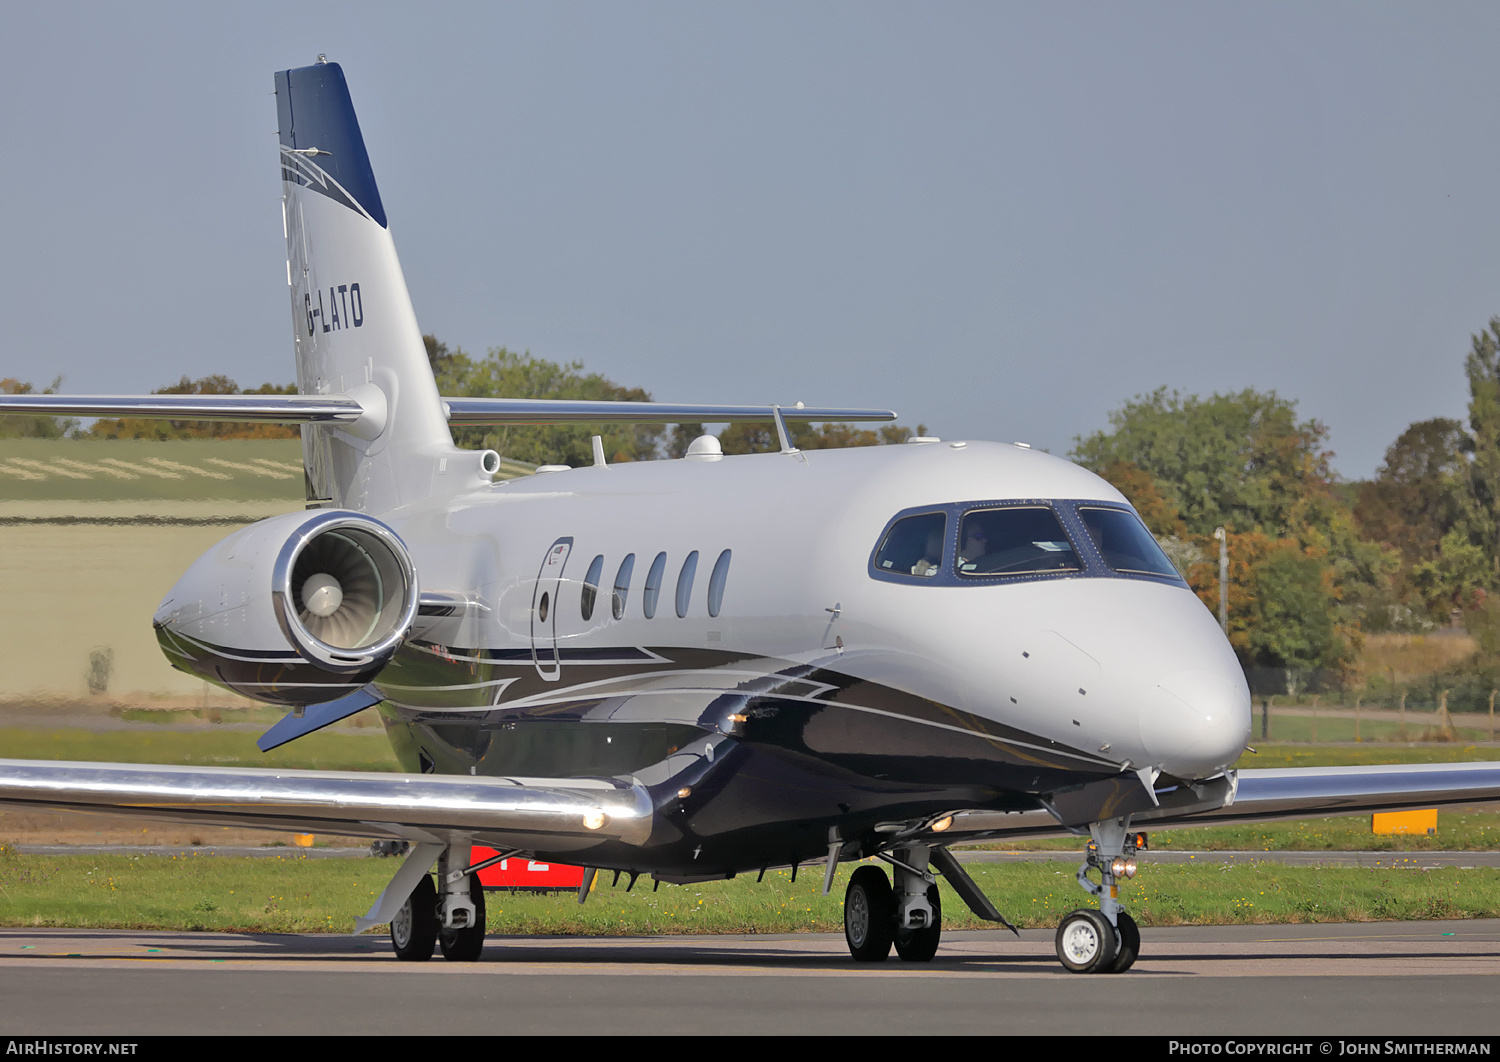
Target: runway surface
[(1369, 979)]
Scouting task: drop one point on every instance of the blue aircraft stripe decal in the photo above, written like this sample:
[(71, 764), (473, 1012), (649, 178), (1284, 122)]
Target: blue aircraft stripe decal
[(315, 114)]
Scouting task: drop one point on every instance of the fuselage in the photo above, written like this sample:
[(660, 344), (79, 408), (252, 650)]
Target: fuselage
[(735, 629)]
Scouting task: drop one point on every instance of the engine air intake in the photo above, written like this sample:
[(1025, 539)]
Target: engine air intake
[(346, 591)]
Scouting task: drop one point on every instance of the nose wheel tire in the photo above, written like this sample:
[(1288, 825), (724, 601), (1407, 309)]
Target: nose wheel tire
[(464, 945), (1086, 943), (920, 945), (414, 929), (869, 915)]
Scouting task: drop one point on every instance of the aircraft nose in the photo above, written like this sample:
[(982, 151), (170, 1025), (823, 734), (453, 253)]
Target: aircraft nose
[(1197, 720)]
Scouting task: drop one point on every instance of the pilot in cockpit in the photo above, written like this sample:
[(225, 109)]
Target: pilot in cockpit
[(975, 545), (932, 554)]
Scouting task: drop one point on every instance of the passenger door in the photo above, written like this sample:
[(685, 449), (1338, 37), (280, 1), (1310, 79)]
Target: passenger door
[(544, 608)]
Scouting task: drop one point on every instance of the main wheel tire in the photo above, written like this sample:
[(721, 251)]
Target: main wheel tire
[(464, 945), (920, 945), (1086, 942), (1130, 944), (869, 915), (414, 929)]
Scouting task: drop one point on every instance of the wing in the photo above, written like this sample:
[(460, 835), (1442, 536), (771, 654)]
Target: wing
[(299, 409), (524, 813), (1267, 796)]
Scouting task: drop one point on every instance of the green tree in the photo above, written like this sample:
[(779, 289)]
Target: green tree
[(1482, 480), (217, 384), (758, 437), (503, 373), (1418, 494), (1292, 623), (1243, 459), (32, 427), (1455, 578)]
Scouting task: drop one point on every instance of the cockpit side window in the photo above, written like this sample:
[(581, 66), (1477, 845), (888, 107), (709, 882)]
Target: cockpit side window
[(1124, 542), (914, 546), (1016, 540)]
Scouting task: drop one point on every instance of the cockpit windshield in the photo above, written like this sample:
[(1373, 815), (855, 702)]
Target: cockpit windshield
[(914, 546), (1013, 541), (1124, 542), (982, 543)]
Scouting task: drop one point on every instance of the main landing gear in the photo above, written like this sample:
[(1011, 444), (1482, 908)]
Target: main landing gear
[(1106, 940), (910, 916), (452, 919)]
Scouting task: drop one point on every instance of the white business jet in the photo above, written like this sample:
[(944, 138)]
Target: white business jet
[(691, 669)]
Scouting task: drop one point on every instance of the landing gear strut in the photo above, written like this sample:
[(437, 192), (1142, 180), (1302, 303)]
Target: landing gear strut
[(1106, 940), (450, 914), (909, 916)]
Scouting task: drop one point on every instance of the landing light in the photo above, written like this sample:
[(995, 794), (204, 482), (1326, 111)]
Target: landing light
[(1122, 867), (942, 824), (593, 819)]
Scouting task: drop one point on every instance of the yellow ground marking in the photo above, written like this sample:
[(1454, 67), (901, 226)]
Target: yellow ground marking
[(80, 466), (115, 462), (22, 473), (259, 470), (283, 465), (161, 462), (44, 468)]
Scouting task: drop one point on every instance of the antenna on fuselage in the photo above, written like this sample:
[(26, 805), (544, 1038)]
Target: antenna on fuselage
[(781, 432)]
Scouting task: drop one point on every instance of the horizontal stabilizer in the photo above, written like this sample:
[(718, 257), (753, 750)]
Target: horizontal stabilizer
[(562, 411), (310, 409), (315, 717), (275, 409)]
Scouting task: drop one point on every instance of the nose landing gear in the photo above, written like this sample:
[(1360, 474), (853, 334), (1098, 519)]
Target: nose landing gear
[(1106, 940)]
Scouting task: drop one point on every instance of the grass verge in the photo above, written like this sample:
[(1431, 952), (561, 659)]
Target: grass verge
[(296, 895), (325, 750)]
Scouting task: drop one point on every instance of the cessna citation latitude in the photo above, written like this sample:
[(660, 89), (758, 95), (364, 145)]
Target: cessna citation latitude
[(691, 669)]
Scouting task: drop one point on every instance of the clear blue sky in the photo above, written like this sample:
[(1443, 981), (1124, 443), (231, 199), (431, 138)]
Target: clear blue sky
[(1001, 220)]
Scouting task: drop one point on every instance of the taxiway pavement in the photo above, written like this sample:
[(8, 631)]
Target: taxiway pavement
[(1368, 979)]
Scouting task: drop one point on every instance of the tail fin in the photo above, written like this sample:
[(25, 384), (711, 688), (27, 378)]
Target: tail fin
[(352, 318)]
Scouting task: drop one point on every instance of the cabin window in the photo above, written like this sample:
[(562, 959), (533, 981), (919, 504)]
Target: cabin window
[(914, 545), (1124, 542), (685, 583), (716, 583), (653, 585), (1018, 540), (591, 588), (622, 586)]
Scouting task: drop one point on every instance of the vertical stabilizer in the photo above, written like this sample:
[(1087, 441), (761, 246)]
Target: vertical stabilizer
[(352, 318)]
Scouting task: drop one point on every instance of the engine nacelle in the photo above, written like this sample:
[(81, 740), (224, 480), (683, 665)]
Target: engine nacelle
[(298, 609)]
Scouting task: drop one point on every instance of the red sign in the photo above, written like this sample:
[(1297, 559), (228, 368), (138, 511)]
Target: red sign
[(521, 873)]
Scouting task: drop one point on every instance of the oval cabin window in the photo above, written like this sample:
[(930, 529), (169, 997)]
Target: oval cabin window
[(622, 586), (685, 584), (716, 583), (591, 588), (653, 585)]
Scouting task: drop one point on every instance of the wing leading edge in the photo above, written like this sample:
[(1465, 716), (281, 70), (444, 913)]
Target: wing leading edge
[(1269, 795), (524, 813)]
